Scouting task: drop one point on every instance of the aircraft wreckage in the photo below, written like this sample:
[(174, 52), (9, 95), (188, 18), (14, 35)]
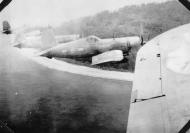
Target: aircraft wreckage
[(100, 50)]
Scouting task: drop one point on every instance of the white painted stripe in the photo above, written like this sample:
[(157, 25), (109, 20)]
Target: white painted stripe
[(76, 69)]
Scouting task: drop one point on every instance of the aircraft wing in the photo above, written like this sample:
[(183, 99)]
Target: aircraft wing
[(28, 84), (108, 56)]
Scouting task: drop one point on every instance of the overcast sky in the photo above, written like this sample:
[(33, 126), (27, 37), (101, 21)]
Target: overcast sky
[(54, 12)]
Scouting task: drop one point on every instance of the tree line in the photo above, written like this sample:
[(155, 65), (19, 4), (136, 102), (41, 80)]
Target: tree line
[(148, 20)]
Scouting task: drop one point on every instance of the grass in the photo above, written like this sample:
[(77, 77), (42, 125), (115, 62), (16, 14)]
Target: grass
[(126, 65)]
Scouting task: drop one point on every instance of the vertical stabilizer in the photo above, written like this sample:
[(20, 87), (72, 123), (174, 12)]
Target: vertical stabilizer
[(48, 39)]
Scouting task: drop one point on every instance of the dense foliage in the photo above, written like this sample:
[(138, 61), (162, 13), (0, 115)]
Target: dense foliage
[(148, 20)]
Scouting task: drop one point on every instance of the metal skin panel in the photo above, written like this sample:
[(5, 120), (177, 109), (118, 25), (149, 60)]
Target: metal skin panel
[(147, 72), (148, 117)]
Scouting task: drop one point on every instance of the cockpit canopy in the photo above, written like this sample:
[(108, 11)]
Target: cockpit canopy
[(92, 39)]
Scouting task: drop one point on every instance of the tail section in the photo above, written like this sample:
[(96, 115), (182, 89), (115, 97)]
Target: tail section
[(48, 39)]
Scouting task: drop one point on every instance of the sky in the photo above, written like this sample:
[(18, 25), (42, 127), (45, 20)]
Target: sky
[(55, 12)]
